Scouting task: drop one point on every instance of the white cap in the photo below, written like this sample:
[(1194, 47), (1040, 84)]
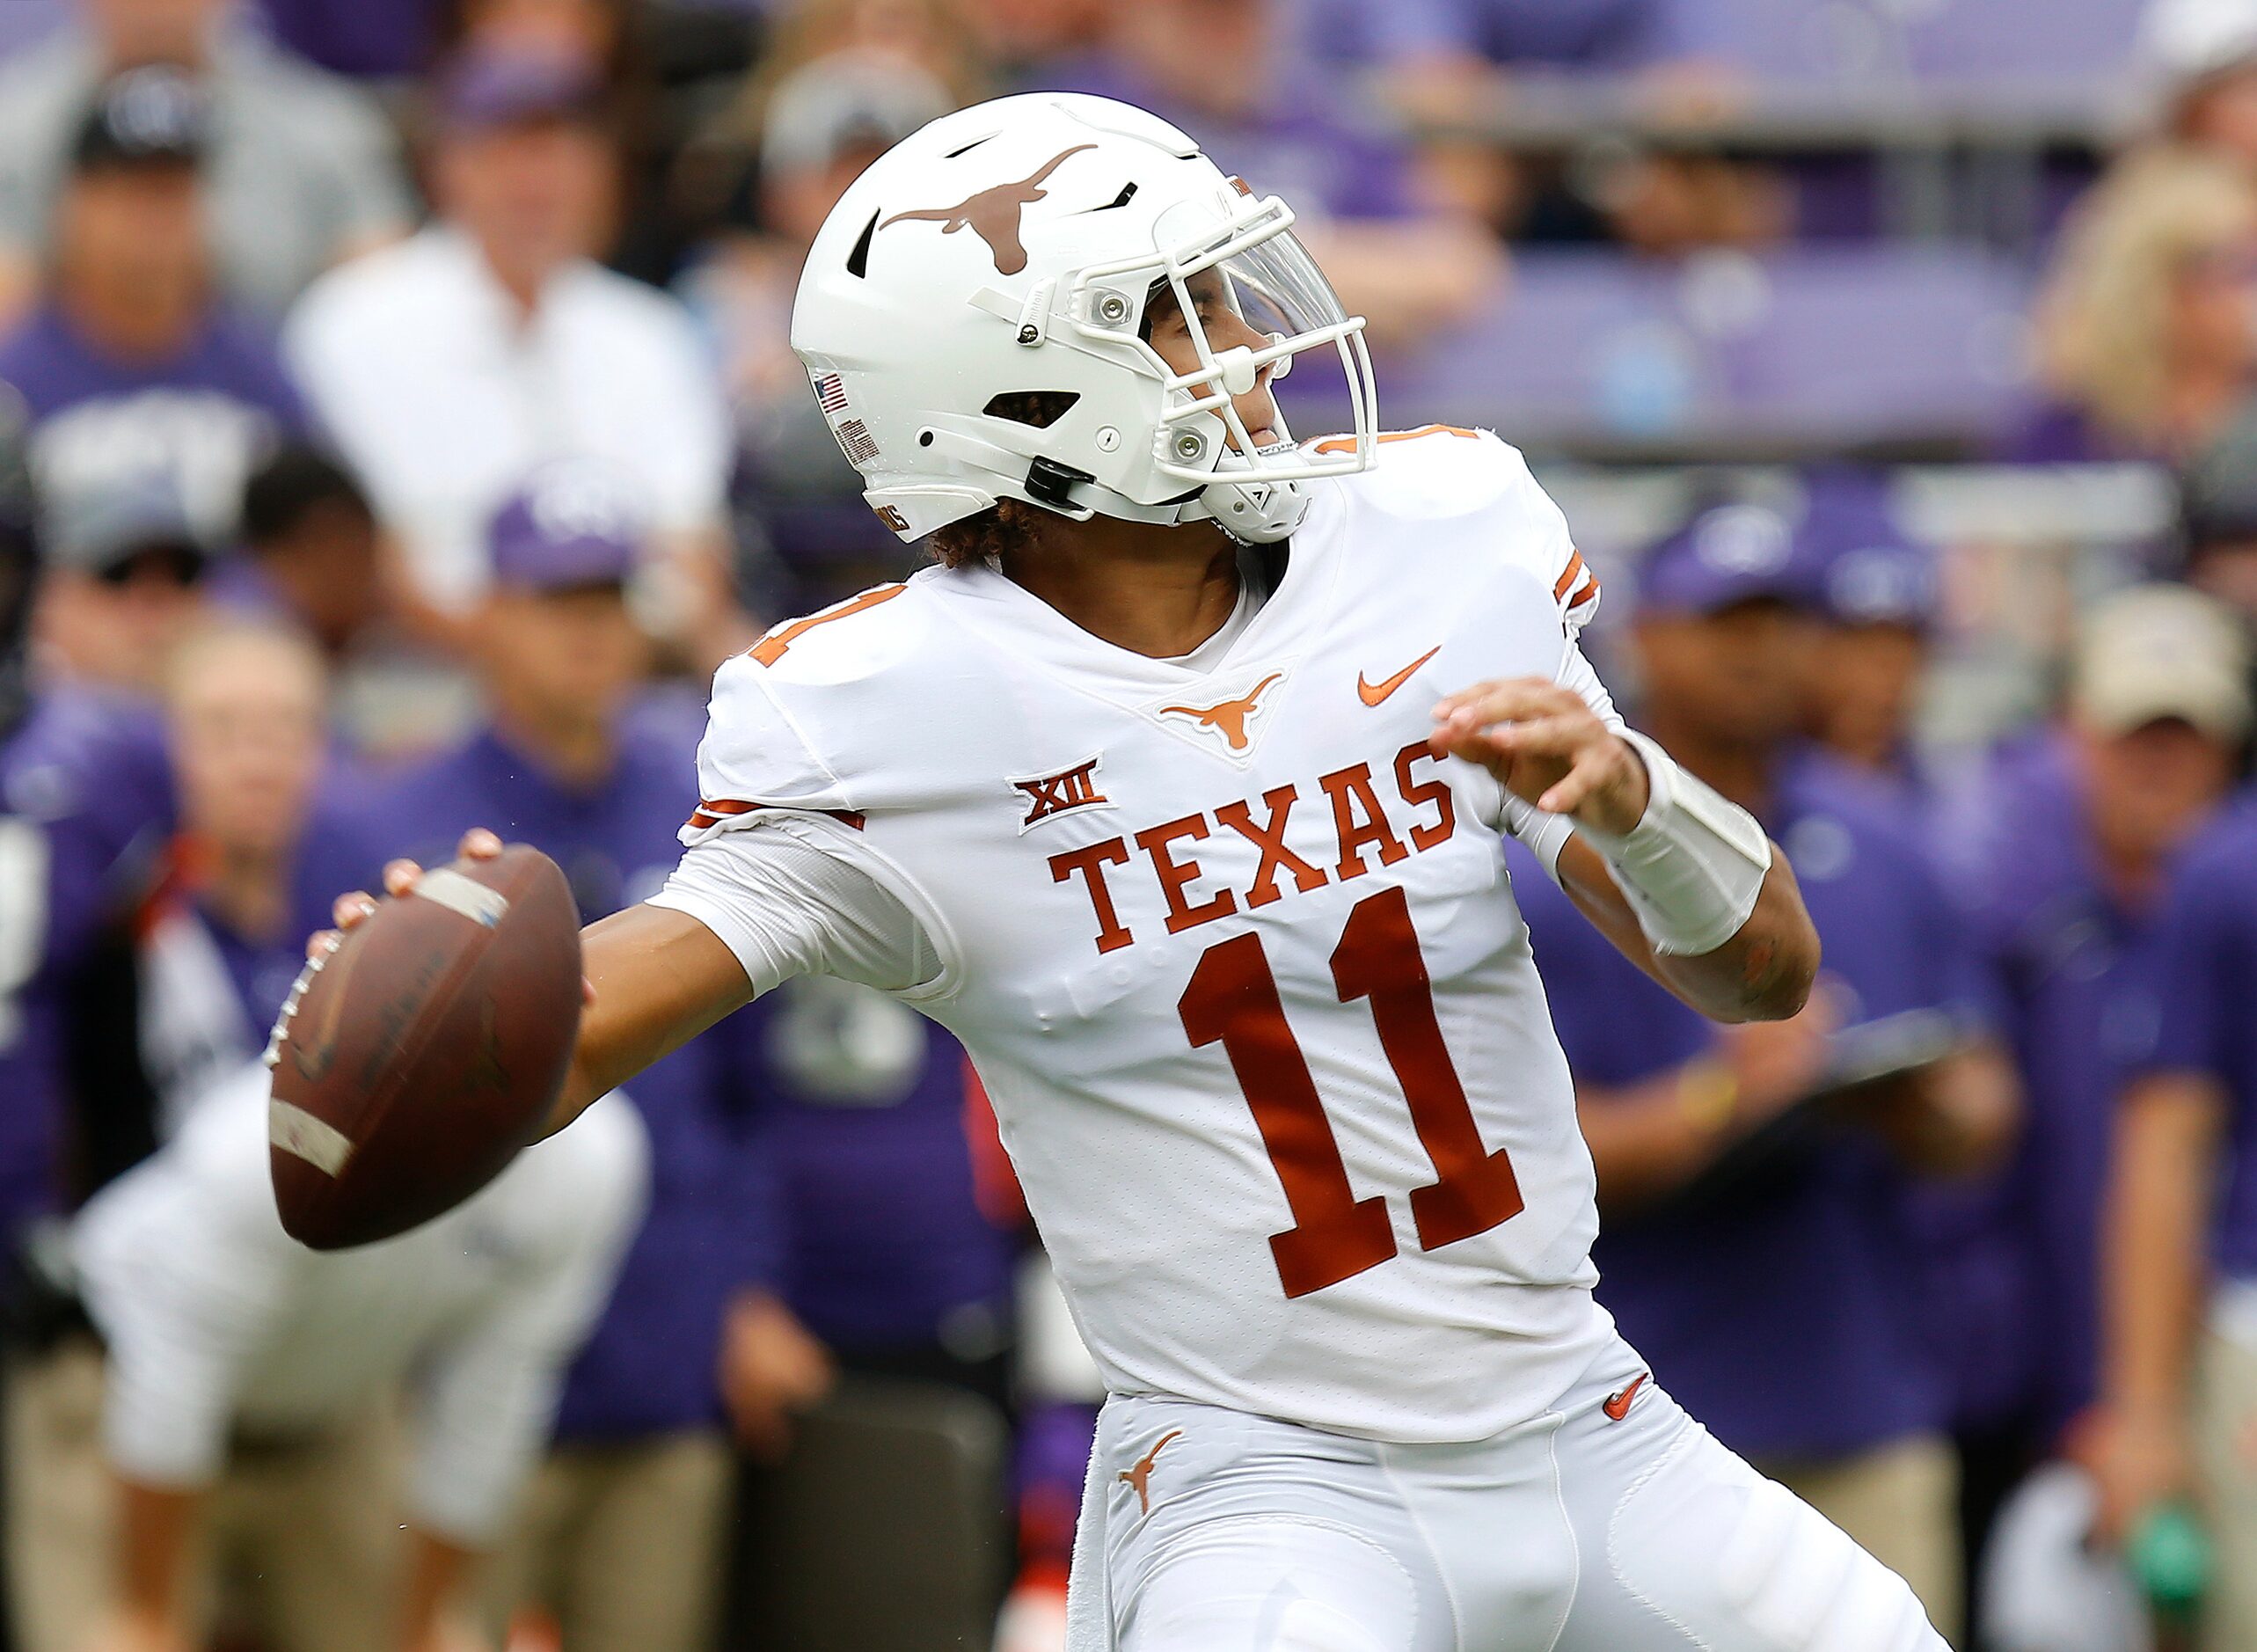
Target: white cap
[(2181, 41), (2159, 651), (2046, 1586)]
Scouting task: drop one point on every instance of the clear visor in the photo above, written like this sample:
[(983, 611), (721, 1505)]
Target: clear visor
[(1281, 306)]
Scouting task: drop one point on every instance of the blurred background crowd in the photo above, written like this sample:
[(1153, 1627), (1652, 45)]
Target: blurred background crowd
[(400, 423)]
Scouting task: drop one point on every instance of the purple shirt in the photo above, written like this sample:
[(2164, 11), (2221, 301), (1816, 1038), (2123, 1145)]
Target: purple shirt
[(891, 1249), (713, 1227), (1299, 146), (376, 38), (204, 416), (2206, 953), (1788, 1320), (2018, 1251), (85, 806)]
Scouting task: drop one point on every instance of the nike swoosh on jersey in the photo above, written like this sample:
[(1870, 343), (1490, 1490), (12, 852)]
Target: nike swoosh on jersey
[(1616, 1407), (1371, 693)]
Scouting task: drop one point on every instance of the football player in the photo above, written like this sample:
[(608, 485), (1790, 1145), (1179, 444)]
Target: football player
[(1175, 793)]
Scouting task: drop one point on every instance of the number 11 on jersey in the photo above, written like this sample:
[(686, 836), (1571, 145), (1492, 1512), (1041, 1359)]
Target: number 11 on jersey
[(1232, 1000)]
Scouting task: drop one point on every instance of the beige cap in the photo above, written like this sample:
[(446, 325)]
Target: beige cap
[(2158, 651)]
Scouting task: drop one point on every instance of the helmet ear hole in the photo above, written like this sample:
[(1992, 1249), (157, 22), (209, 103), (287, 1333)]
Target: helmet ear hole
[(1037, 409)]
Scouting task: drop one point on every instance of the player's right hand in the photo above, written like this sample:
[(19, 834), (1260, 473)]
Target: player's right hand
[(2139, 1459), (347, 911)]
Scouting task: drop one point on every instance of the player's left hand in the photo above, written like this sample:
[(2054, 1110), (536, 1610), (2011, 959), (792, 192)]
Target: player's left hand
[(1546, 746)]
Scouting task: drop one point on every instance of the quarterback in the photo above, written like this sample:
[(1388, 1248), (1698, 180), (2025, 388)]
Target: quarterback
[(1176, 792)]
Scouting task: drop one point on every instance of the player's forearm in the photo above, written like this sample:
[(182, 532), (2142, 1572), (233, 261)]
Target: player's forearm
[(1762, 972), (660, 978), (2153, 1268), (156, 1530)]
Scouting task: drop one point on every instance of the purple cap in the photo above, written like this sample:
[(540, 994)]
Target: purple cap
[(1868, 572), (1726, 555), (572, 524), (489, 89)]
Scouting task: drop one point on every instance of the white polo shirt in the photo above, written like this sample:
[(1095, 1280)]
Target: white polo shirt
[(218, 1322), (445, 398)]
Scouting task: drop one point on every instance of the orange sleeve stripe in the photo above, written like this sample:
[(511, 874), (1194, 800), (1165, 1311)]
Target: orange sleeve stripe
[(770, 647), (1568, 575), (714, 811), (1589, 594), (1346, 444)]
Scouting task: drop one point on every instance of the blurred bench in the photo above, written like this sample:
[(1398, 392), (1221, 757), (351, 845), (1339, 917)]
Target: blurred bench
[(1900, 351), (883, 1531)]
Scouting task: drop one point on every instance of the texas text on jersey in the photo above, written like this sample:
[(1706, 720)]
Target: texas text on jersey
[(1233, 951)]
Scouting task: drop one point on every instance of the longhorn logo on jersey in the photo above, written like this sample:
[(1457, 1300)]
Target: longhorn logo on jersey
[(1231, 721)]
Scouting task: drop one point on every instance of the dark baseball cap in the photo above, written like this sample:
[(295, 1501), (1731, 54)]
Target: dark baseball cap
[(153, 116), (1728, 554), (571, 525), (1867, 571), (492, 88)]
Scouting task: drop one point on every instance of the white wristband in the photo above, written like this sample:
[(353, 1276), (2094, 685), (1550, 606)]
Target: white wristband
[(1693, 866)]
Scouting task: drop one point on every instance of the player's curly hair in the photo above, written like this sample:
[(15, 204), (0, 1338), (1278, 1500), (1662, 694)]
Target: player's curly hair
[(1009, 526), (1005, 529)]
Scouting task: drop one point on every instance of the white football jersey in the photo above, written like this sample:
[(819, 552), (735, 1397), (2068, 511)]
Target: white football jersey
[(1235, 954)]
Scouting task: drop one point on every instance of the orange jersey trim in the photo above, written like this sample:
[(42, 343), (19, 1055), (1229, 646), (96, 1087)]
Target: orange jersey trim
[(1568, 575), (772, 647), (714, 811), (1346, 444)]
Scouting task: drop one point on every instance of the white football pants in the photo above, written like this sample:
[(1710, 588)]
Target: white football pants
[(1211, 1530)]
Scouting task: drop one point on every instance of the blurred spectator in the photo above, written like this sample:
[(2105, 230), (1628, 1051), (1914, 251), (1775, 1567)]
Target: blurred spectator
[(85, 799), (304, 169), (2201, 59), (386, 39), (2179, 1278), (621, 1536), (125, 584), (826, 122), (129, 363), (2142, 332), (313, 554), (2217, 518), (931, 38), (1017, 38), (244, 704), (2073, 835), (1877, 596), (244, 1404), (599, 33), (450, 366), (1281, 124), (1758, 1245)]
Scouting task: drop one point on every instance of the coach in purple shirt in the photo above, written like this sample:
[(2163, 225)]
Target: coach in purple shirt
[(2179, 1276), (129, 364), (621, 1536), (1761, 1253)]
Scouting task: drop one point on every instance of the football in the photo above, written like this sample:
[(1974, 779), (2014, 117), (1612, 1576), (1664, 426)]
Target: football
[(411, 1065)]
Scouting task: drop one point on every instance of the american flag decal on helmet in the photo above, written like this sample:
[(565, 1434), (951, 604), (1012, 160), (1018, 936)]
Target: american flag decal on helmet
[(832, 394), (854, 440)]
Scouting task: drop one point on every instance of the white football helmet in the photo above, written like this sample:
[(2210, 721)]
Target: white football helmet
[(1077, 207)]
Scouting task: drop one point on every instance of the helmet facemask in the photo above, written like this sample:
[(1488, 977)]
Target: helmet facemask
[(1270, 283)]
